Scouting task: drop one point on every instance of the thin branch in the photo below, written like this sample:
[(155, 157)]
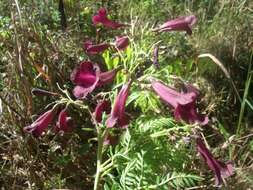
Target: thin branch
[(19, 12)]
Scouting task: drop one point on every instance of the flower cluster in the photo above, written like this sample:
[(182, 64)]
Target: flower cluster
[(88, 77), (64, 124)]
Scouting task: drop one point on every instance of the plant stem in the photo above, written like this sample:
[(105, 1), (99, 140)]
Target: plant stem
[(245, 95), (101, 136), (99, 159), (166, 131)]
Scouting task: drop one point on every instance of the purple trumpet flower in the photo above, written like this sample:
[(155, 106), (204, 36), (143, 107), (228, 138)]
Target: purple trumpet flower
[(118, 115), (183, 23), (92, 49), (103, 106), (40, 124), (41, 92), (86, 79), (122, 42), (184, 104), (107, 77), (102, 18), (220, 169), (64, 123), (88, 76)]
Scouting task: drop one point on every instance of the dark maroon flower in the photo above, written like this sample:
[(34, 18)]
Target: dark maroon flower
[(155, 56), (220, 169), (122, 42), (184, 104), (64, 123), (118, 115), (183, 23), (107, 77), (92, 49), (103, 106), (41, 92), (88, 76), (102, 18), (40, 124)]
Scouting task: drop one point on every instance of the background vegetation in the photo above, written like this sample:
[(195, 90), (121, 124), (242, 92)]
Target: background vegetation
[(37, 51)]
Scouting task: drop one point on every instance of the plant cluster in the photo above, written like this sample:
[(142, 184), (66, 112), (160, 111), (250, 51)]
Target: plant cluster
[(135, 104), (112, 121)]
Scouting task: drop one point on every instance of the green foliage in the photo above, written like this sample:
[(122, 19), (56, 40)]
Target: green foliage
[(142, 162), (145, 100), (145, 162)]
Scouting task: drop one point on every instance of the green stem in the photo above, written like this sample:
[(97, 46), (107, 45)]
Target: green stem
[(166, 131), (101, 136), (99, 160), (106, 162), (245, 95)]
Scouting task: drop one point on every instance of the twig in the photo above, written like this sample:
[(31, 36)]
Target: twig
[(197, 187), (19, 12), (249, 135), (18, 46)]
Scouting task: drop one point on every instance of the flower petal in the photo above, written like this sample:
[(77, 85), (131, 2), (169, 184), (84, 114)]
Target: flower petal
[(171, 96), (107, 77), (122, 42), (64, 123), (99, 48), (188, 113), (103, 106), (179, 24), (86, 77), (118, 115), (101, 17), (87, 44), (41, 124), (95, 49), (183, 103), (81, 92), (220, 169)]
